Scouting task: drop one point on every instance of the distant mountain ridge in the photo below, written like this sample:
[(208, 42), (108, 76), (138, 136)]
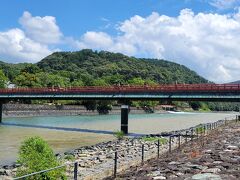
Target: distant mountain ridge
[(87, 68), (235, 82), (103, 64)]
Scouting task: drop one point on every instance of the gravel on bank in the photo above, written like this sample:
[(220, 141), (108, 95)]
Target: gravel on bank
[(213, 157)]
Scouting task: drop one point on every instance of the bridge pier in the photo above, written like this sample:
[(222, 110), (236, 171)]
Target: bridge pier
[(124, 119), (0, 112)]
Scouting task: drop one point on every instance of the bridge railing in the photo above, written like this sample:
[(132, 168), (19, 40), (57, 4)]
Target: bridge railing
[(128, 88)]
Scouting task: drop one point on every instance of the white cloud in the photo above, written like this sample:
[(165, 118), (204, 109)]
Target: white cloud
[(96, 39), (224, 4), (31, 43), (16, 47), (101, 40), (41, 29), (207, 43)]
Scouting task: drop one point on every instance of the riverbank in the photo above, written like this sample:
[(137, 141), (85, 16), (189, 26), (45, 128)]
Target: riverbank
[(216, 156), (96, 162)]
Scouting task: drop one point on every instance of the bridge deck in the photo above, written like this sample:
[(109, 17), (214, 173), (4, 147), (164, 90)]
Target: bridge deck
[(206, 92), (145, 88)]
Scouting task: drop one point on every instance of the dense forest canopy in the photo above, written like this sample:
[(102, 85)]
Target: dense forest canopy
[(113, 68), (87, 68)]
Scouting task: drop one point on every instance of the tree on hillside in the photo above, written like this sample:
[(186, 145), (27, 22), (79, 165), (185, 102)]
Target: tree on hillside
[(31, 69), (100, 82), (77, 83), (26, 79), (57, 81), (136, 81), (114, 79), (3, 80)]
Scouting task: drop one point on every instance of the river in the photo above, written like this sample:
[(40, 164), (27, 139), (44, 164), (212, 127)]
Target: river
[(64, 133)]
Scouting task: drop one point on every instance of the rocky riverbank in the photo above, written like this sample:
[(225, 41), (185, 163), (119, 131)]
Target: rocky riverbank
[(215, 156), (96, 162)]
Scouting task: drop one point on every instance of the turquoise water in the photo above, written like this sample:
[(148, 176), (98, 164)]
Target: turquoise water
[(68, 132)]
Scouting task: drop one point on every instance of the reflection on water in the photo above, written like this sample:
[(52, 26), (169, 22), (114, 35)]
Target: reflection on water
[(90, 129)]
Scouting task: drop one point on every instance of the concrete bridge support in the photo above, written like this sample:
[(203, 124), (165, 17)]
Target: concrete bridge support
[(124, 119), (0, 112)]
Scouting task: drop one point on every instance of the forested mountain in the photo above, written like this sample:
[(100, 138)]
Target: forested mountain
[(116, 68), (86, 68), (12, 70)]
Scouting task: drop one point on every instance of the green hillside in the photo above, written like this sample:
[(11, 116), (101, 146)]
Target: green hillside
[(87, 68), (115, 68)]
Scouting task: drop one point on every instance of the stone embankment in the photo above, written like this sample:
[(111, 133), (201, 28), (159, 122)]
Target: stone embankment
[(97, 162), (26, 110), (212, 157)]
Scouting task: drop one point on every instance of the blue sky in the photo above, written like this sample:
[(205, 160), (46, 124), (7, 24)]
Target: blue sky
[(201, 34), (75, 17)]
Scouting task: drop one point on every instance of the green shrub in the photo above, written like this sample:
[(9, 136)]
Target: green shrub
[(69, 157), (119, 135), (200, 129), (161, 140), (36, 155)]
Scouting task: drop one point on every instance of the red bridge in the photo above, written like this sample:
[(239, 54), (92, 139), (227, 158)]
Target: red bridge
[(176, 92), (186, 88)]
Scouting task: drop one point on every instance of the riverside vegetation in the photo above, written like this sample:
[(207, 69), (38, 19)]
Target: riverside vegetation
[(92, 68), (36, 155)]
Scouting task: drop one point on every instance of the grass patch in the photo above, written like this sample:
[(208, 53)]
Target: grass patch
[(69, 157), (151, 139), (200, 129), (119, 135)]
